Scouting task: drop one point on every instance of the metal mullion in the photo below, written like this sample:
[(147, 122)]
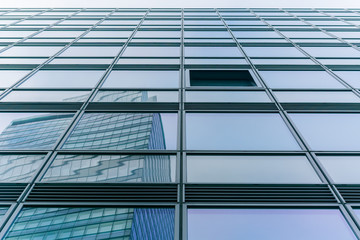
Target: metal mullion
[(181, 134), (11, 218)]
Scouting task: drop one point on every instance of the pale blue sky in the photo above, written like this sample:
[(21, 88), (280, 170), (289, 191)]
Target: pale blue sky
[(181, 3)]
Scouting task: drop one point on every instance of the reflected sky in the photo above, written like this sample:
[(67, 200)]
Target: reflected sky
[(269, 224)]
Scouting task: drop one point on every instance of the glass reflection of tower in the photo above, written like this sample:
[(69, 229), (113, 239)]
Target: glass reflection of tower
[(112, 131), (35, 132)]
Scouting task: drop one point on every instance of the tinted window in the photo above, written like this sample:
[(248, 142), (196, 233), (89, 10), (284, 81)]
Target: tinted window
[(250, 169), (93, 223), (330, 131), (115, 131), (277, 224), (237, 131), (112, 168)]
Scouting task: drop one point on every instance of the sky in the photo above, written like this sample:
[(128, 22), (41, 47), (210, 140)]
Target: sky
[(181, 3)]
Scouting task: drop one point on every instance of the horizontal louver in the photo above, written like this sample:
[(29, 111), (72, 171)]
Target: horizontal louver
[(104, 193), (259, 193)]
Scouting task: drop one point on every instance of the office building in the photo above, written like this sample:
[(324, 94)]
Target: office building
[(161, 124)]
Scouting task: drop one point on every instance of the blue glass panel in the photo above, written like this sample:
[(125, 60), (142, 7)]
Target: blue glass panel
[(93, 223), (269, 224), (115, 131)]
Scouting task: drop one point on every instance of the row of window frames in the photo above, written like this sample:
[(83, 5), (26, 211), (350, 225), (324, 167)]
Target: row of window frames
[(134, 51), (170, 79), (129, 131), (173, 96), (257, 223), (229, 169), (187, 34)]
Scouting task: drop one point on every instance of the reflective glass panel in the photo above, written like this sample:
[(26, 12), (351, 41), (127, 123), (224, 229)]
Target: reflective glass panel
[(237, 131), (63, 34), (332, 51), (46, 96), (63, 79), (30, 51), (250, 169), (212, 52), (351, 77), (112, 168), (273, 52), (342, 169), (19, 168), (316, 96), (8, 78), (93, 223), (300, 79), (91, 52), (270, 224), (142, 79), (136, 96), (226, 96), (115, 131), (152, 52), (31, 130), (109, 34), (329, 132)]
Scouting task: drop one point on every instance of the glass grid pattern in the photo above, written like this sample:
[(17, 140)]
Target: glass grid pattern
[(110, 101)]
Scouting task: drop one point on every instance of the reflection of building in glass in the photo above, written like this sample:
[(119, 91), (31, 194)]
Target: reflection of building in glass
[(94, 223), (118, 131), (110, 168), (124, 96), (35, 132)]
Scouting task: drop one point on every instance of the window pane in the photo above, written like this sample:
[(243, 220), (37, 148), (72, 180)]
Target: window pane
[(63, 79), (91, 52), (330, 132), (273, 52), (142, 79), (46, 96), (136, 96), (152, 52), (226, 78), (63, 34), (8, 78), (250, 169), (19, 168), (115, 131), (112, 168), (351, 77), (299, 79), (342, 169), (226, 96), (109, 34), (93, 223), (158, 34), (332, 51), (32, 130), (238, 131), (207, 34), (316, 96), (31, 51), (279, 224), (256, 34), (212, 52)]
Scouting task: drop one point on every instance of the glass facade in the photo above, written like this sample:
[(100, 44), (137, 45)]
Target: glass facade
[(181, 124)]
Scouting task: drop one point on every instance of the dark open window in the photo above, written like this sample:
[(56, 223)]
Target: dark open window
[(236, 78)]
